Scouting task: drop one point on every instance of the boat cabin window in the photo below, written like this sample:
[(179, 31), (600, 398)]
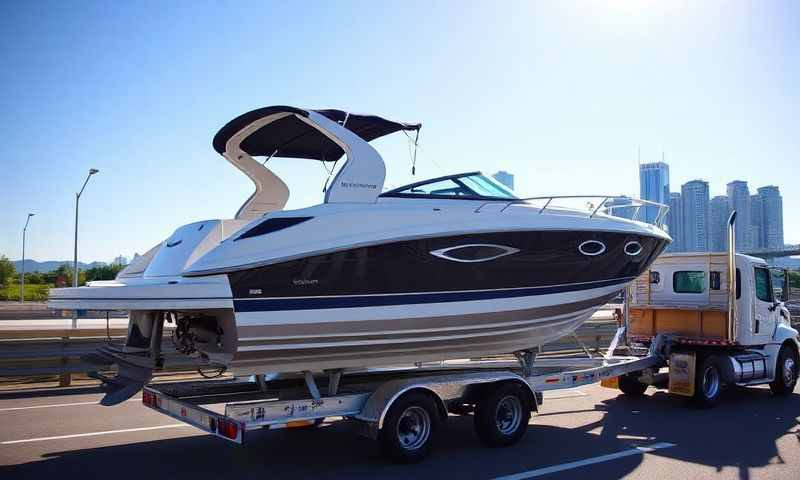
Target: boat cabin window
[(763, 290), (689, 282), (468, 186)]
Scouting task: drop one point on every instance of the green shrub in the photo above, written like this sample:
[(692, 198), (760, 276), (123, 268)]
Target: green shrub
[(33, 293)]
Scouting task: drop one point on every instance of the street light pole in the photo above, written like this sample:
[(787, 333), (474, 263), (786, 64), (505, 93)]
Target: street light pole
[(22, 276), (92, 171)]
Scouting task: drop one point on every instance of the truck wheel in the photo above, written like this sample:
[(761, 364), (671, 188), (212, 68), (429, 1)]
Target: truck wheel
[(410, 428), (708, 383), (502, 415), (631, 386), (785, 372)]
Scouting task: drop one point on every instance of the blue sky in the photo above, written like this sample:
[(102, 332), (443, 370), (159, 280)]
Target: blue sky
[(560, 93)]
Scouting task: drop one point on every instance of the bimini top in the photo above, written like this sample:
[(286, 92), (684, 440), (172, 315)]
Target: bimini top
[(291, 137), (325, 135)]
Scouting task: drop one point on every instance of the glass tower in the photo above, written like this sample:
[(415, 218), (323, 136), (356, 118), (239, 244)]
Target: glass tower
[(653, 186)]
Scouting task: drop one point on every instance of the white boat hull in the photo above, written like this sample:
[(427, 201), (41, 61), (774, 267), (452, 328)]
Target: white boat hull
[(389, 335)]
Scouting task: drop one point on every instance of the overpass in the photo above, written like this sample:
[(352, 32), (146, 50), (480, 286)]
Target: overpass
[(766, 253)]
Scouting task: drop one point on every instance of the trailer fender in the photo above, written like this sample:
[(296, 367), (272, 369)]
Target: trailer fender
[(442, 387)]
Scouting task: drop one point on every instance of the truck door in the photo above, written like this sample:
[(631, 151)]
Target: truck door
[(765, 313)]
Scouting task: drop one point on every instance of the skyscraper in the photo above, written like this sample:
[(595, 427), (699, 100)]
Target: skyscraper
[(739, 200), (772, 216), (756, 222), (674, 222), (620, 207), (505, 178), (718, 224), (694, 196), (653, 186)]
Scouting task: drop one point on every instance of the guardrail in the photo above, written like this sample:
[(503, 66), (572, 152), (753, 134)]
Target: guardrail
[(27, 351)]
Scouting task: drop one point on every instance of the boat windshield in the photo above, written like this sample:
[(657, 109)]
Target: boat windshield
[(468, 186)]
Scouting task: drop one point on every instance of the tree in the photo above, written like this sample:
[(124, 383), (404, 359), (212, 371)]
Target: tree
[(33, 278), (103, 272), (794, 282), (7, 271)]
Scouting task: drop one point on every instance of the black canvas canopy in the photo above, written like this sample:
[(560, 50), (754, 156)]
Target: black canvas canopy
[(291, 137)]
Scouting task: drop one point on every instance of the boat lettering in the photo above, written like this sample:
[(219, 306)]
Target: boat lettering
[(305, 282), (371, 186)]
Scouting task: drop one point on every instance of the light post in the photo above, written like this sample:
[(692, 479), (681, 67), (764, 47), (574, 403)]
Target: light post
[(92, 171), (22, 276)]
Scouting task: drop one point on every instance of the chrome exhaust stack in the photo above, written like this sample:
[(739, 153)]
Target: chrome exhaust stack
[(732, 276)]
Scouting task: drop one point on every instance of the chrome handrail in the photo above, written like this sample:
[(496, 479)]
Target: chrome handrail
[(636, 203)]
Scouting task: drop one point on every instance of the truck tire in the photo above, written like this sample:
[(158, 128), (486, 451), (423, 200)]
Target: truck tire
[(785, 372), (410, 428), (708, 383), (502, 415), (631, 386)]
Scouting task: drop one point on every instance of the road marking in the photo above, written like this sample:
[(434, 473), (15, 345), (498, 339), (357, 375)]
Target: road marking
[(91, 434), (589, 461), (10, 409)]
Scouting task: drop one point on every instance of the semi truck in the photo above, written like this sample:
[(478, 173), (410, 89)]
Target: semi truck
[(725, 318)]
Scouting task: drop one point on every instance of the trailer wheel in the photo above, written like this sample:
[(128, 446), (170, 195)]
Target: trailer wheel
[(708, 383), (785, 372), (410, 428), (502, 415), (631, 386)]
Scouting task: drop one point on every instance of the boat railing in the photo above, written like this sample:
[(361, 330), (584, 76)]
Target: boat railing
[(620, 202)]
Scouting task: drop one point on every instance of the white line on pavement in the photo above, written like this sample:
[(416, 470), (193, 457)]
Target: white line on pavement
[(11, 409), (589, 461), (90, 434)]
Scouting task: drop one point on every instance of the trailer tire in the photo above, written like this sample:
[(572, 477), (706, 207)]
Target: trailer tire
[(708, 383), (631, 386), (410, 428), (502, 415), (786, 370)]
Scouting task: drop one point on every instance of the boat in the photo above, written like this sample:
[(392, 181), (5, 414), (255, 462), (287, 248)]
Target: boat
[(451, 267)]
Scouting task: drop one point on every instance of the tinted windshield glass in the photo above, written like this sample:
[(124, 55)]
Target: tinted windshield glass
[(472, 185), (486, 186)]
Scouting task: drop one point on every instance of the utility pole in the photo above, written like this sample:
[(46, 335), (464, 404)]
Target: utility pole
[(92, 171), (22, 275)]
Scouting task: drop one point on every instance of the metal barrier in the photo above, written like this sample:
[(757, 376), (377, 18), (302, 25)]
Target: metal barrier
[(26, 351)]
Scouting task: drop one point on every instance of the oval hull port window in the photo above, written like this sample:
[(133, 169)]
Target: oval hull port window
[(174, 244), (592, 248), (633, 248), (475, 252)]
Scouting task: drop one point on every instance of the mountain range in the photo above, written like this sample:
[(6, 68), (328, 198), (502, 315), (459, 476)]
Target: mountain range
[(50, 265)]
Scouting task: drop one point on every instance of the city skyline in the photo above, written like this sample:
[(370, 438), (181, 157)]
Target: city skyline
[(698, 223), (561, 103)]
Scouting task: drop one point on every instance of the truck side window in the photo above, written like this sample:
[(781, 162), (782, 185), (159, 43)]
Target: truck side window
[(763, 291), (714, 280), (688, 282), (738, 284)]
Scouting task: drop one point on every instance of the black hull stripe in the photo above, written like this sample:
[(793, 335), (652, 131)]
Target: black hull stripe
[(281, 304)]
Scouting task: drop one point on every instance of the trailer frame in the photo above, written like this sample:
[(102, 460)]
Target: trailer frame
[(230, 408)]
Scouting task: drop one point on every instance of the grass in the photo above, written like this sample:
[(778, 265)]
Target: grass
[(33, 292)]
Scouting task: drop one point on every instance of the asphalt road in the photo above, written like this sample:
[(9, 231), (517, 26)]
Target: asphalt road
[(590, 432)]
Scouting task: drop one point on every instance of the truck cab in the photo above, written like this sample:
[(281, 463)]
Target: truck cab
[(741, 335)]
